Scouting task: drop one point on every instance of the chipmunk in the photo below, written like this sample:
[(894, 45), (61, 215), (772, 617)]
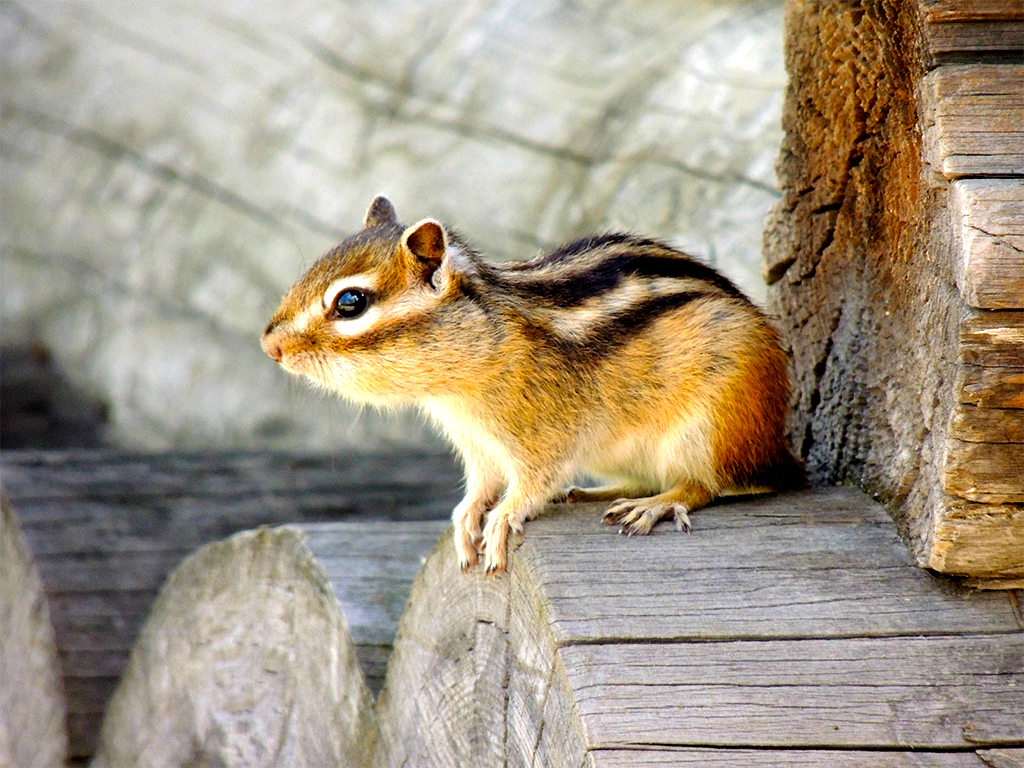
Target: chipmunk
[(613, 356)]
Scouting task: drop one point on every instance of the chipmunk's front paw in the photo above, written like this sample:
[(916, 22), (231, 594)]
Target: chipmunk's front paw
[(466, 547), (495, 543)]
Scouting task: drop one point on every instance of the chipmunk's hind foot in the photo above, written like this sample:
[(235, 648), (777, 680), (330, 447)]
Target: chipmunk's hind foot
[(639, 516)]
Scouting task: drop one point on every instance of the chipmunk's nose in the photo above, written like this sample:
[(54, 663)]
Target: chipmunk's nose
[(271, 345)]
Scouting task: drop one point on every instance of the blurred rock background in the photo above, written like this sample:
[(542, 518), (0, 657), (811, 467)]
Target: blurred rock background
[(168, 168)]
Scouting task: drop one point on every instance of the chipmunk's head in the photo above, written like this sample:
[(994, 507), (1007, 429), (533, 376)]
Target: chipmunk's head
[(364, 320)]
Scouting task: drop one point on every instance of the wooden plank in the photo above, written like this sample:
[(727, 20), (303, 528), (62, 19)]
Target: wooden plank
[(986, 472), (973, 37), (710, 757), (939, 11), (990, 387), (971, 120), (411, 484), (986, 540), (988, 218), (987, 425), (790, 574), (993, 338), (922, 693)]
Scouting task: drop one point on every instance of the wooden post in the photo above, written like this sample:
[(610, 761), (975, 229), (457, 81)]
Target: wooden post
[(896, 258)]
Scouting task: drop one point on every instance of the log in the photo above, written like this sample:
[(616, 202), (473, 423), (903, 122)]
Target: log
[(790, 627), (600, 650), (33, 732), (245, 660), (107, 527), (895, 256), (987, 425), (981, 27)]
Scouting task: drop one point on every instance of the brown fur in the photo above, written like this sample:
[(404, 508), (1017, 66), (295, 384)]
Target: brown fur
[(614, 356)]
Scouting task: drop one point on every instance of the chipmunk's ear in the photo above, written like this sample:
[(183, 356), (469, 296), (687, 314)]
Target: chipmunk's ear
[(381, 211), (426, 243)]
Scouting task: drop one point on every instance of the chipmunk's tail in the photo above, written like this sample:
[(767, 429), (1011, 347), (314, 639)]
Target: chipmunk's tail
[(787, 472)]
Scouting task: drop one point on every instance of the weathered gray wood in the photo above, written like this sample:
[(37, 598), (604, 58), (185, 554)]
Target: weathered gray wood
[(990, 270), (444, 699), (925, 693), (107, 527), (245, 660), (972, 115), (953, 29), (989, 472), (987, 425), (618, 647), (789, 572), (408, 484), (371, 566), (704, 757), (32, 717), (991, 387)]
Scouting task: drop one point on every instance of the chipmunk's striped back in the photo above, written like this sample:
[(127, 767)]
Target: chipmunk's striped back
[(592, 295)]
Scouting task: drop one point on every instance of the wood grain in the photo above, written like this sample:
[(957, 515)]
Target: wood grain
[(795, 577), (658, 650), (993, 339), (990, 387), (986, 540), (963, 30), (987, 425), (245, 655), (990, 238), (444, 699), (972, 119), (925, 693), (988, 472), (371, 566), (709, 757), (107, 527)]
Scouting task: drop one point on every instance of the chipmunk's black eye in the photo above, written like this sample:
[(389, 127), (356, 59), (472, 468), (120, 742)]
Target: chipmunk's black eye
[(350, 303)]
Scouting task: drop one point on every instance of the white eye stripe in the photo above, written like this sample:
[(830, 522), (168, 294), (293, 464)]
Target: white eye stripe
[(359, 324), (364, 282)]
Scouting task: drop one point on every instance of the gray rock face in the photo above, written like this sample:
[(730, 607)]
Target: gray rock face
[(170, 168)]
